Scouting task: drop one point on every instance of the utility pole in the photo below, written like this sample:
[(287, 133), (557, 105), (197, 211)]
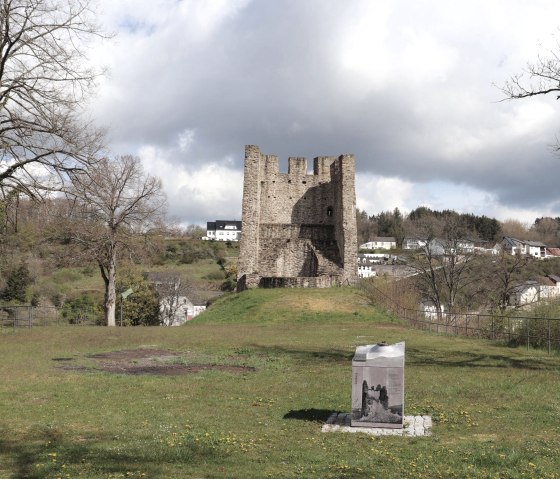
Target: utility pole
[(125, 295)]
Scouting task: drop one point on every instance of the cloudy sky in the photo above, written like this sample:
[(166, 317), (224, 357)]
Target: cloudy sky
[(408, 87)]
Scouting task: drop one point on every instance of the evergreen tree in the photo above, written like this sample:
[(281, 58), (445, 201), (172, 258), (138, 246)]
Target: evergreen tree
[(16, 285)]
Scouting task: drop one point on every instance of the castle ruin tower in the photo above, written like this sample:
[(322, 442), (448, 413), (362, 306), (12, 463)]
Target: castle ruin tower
[(298, 229)]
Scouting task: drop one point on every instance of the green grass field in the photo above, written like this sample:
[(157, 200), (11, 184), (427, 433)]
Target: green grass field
[(496, 410)]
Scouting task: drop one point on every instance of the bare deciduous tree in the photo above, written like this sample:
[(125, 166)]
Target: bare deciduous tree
[(547, 230), (44, 78), (112, 205), (506, 272), (173, 292), (444, 264), (169, 293)]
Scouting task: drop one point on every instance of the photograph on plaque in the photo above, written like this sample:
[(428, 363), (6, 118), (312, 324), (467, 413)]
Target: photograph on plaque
[(378, 397)]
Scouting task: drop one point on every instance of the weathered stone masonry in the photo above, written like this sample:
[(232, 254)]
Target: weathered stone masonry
[(297, 229)]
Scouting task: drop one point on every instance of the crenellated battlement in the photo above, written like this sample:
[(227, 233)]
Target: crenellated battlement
[(297, 165)]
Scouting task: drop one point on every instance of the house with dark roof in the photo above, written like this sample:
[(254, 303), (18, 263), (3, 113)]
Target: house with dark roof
[(549, 286), (536, 249), (223, 230), (528, 292)]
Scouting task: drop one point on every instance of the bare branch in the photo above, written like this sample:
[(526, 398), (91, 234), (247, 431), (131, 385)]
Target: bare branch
[(44, 79), (539, 78)]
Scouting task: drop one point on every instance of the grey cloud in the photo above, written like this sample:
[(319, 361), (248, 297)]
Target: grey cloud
[(269, 76)]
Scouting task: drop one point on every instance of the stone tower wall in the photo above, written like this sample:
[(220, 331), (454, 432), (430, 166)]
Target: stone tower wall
[(295, 224)]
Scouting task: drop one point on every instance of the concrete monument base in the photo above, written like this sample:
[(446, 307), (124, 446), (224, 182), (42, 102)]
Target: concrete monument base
[(413, 426)]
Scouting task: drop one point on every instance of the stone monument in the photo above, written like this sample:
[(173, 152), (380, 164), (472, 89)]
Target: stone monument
[(378, 386)]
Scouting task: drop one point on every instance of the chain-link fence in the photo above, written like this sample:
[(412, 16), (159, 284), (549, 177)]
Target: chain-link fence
[(510, 327), (26, 316)]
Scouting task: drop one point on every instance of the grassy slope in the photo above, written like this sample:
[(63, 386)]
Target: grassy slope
[(496, 409), (71, 283)]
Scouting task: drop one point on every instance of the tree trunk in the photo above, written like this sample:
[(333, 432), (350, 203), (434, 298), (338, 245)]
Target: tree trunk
[(109, 277)]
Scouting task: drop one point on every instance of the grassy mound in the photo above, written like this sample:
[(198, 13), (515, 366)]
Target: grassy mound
[(282, 364)]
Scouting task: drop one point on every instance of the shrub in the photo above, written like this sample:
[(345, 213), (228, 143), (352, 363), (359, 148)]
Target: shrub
[(215, 275), (141, 308), (84, 309), (66, 276)]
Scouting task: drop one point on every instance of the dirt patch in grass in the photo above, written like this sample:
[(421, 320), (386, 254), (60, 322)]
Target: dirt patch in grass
[(150, 361)]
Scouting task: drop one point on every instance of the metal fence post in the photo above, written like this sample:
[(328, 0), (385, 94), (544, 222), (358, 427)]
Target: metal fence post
[(548, 321), (478, 325), (528, 334)]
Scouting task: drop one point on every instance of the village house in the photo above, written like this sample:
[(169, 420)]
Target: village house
[(440, 246), (366, 266), (182, 309), (223, 230), (178, 302), (548, 286), (485, 249), (376, 264), (524, 293), (536, 249), (430, 310), (414, 243), (531, 291), (380, 242)]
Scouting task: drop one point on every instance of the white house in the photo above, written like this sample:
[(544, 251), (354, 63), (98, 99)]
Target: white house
[(556, 280), (177, 302), (378, 258), (535, 290), (366, 266), (184, 310), (430, 310), (380, 242), (549, 286), (414, 243), (525, 293), (485, 250), (440, 246), (223, 230), (536, 249), (366, 271)]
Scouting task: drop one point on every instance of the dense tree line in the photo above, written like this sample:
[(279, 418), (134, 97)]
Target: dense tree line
[(478, 227)]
